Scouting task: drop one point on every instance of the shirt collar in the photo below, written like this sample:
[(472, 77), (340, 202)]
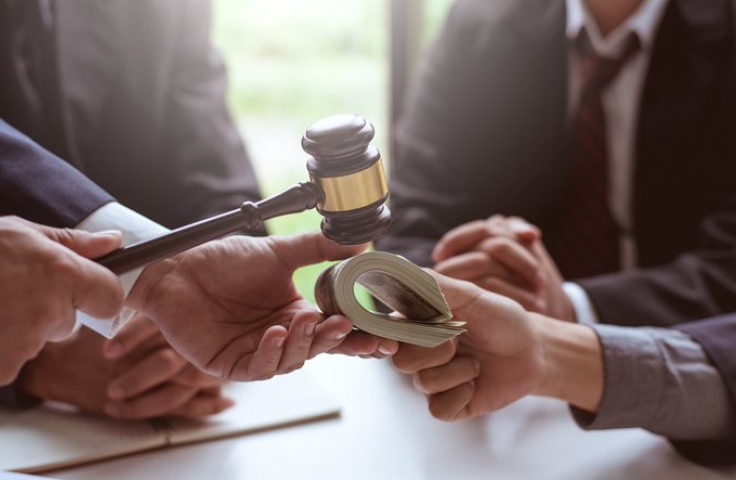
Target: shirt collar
[(644, 22)]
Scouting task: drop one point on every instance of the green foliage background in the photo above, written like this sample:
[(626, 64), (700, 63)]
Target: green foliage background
[(292, 62)]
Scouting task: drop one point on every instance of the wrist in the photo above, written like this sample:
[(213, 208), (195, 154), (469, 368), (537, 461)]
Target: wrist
[(572, 363), (150, 275)]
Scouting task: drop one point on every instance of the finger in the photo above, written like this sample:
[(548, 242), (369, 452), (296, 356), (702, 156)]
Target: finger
[(265, 360), (473, 265), (540, 251), (301, 250), (448, 376), (330, 334), (96, 291), (527, 300), (157, 368), (523, 230), (191, 376), (60, 325), (135, 334), (160, 401), (203, 406), (515, 258), (452, 404), (299, 341), (86, 244), (498, 225), (460, 295), (412, 358), (365, 345), (459, 240)]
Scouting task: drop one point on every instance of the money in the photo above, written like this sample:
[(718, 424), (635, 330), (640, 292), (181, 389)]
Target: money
[(422, 316)]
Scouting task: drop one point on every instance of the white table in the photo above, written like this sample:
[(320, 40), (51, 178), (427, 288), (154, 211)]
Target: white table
[(386, 432)]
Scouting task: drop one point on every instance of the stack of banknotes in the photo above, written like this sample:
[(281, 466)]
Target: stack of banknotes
[(421, 314)]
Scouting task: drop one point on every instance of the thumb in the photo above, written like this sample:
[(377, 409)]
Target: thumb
[(302, 250), (86, 244), (461, 296)]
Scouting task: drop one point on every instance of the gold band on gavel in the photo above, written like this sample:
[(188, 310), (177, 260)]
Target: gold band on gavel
[(353, 191)]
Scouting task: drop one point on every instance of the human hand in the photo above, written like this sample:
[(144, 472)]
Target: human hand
[(44, 278), (506, 354), (506, 255), (148, 380), (230, 306)]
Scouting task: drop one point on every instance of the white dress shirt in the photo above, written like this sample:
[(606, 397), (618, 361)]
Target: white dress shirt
[(134, 227), (621, 104)]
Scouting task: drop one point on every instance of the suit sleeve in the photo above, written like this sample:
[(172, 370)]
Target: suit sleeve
[(717, 336), (211, 170), (427, 196), (40, 187), (700, 283)]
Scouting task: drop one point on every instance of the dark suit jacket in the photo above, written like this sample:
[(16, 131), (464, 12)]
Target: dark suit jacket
[(132, 94), (44, 188), (483, 132), (718, 338)]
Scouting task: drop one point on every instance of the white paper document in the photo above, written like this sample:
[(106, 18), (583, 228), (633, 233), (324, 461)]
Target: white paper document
[(55, 436)]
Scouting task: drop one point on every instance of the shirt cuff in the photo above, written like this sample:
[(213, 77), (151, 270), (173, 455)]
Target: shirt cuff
[(581, 304), (660, 380), (134, 227)]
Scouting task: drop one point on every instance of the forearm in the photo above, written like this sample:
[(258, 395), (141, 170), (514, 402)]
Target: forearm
[(573, 362), (662, 381), (614, 377)]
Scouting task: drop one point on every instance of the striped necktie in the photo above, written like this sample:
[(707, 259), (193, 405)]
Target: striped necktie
[(588, 231)]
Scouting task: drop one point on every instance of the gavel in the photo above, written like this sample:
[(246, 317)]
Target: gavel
[(347, 187)]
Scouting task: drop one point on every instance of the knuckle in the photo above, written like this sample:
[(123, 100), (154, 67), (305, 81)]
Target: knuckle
[(504, 246), (169, 359), (403, 365), (295, 367), (65, 236), (491, 283), (60, 266), (424, 381)]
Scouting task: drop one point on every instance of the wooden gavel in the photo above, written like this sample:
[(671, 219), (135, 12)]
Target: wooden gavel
[(347, 187)]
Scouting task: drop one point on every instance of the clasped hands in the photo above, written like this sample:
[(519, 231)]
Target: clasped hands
[(505, 255), (509, 291)]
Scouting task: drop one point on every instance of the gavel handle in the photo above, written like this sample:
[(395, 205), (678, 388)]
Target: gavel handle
[(249, 216)]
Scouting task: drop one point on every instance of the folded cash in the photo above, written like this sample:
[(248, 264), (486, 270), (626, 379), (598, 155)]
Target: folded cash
[(422, 316)]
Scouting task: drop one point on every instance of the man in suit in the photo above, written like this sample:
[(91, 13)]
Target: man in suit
[(133, 96), (608, 124), (485, 131)]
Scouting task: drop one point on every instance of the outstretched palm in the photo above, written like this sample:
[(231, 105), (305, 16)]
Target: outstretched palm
[(223, 304)]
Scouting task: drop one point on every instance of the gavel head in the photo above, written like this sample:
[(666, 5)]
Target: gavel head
[(350, 174)]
